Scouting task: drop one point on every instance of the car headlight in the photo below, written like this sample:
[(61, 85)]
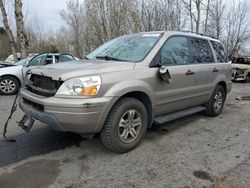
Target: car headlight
[(84, 86)]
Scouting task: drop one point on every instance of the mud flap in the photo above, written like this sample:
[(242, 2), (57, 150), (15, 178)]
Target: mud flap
[(26, 123)]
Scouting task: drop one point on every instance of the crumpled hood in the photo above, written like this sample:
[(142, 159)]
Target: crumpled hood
[(68, 70), (6, 64)]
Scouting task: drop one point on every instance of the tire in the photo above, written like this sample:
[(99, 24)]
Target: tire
[(127, 117), (248, 78), (9, 85), (216, 102)]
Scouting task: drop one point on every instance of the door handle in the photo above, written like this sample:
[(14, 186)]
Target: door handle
[(216, 70), (189, 72)]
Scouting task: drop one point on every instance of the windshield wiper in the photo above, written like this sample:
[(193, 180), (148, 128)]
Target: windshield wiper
[(108, 58)]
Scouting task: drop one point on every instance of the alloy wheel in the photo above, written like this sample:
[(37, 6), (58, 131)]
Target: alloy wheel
[(129, 126), (7, 86), (218, 101)]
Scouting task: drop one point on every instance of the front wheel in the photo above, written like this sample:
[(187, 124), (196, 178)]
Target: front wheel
[(216, 102), (125, 125)]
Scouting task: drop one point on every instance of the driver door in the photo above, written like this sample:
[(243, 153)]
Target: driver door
[(180, 92)]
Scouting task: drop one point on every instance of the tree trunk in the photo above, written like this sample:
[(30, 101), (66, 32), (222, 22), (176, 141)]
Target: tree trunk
[(207, 12), (8, 31), (191, 15), (198, 8), (21, 33)]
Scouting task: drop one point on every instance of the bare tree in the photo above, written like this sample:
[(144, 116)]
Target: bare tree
[(91, 23), (216, 18), (73, 16), (35, 34), (198, 17), (4, 44), (160, 15), (188, 5), (8, 30), (237, 27), (22, 37), (207, 16), (198, 11)]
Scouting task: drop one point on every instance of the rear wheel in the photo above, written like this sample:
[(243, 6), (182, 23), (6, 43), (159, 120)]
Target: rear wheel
[(125, 125), (216, 102), (9, 85)]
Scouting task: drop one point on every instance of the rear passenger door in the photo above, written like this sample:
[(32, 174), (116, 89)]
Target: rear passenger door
[(203, 64), (222, 65)]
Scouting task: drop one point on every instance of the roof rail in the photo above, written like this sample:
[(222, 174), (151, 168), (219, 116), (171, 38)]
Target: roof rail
[(187, 31)]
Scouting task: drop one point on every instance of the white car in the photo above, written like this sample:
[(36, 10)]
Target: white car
[(12, 75)]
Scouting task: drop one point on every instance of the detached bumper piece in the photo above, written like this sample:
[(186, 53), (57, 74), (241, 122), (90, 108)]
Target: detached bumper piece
[(41, 116), (26, 123)]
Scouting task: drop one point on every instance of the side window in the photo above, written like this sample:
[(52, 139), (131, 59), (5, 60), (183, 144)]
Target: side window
[(48, 60), (64, 58), (175, 51), (220, 52), (38, 60), (201, 51)]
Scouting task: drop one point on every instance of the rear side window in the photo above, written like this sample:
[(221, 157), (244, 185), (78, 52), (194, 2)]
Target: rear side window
[(65, 58), (220, 52), (175, 51), (201, 51)]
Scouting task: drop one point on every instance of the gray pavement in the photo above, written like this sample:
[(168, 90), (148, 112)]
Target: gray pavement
[(195, 151)]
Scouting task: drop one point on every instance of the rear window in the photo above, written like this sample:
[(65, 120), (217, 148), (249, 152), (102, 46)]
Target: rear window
[(201, 51), (220, 52)]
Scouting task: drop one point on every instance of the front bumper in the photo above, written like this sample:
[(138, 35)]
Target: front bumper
[(80, 115)]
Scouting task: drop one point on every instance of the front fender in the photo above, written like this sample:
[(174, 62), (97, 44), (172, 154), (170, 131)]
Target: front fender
[(14, 71), (128, 86), (122, 88)]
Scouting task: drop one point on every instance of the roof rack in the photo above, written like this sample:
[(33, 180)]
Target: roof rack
[(187, 31)]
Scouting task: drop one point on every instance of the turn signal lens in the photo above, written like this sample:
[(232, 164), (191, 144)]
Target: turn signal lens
[(89, 90)]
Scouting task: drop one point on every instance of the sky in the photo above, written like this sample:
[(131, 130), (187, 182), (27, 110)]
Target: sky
[(46, 12)]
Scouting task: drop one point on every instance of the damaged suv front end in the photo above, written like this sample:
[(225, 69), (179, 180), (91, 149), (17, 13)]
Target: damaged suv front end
[(241, 69), (70, 100)]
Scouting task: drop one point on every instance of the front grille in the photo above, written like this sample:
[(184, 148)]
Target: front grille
[(34, 105), (43, 85)]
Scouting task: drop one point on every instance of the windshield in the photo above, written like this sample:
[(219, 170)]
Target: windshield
[(131, 48), (23, 62)]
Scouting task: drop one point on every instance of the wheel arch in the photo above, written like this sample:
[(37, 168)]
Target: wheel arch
[(11, 75), (139, 95), (146, 101), (223, 85)]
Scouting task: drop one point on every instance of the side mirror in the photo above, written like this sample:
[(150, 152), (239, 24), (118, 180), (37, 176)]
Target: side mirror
[(165, 75)]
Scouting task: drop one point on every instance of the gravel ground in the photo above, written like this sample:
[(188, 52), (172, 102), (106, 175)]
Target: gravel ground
[(195, 151)]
